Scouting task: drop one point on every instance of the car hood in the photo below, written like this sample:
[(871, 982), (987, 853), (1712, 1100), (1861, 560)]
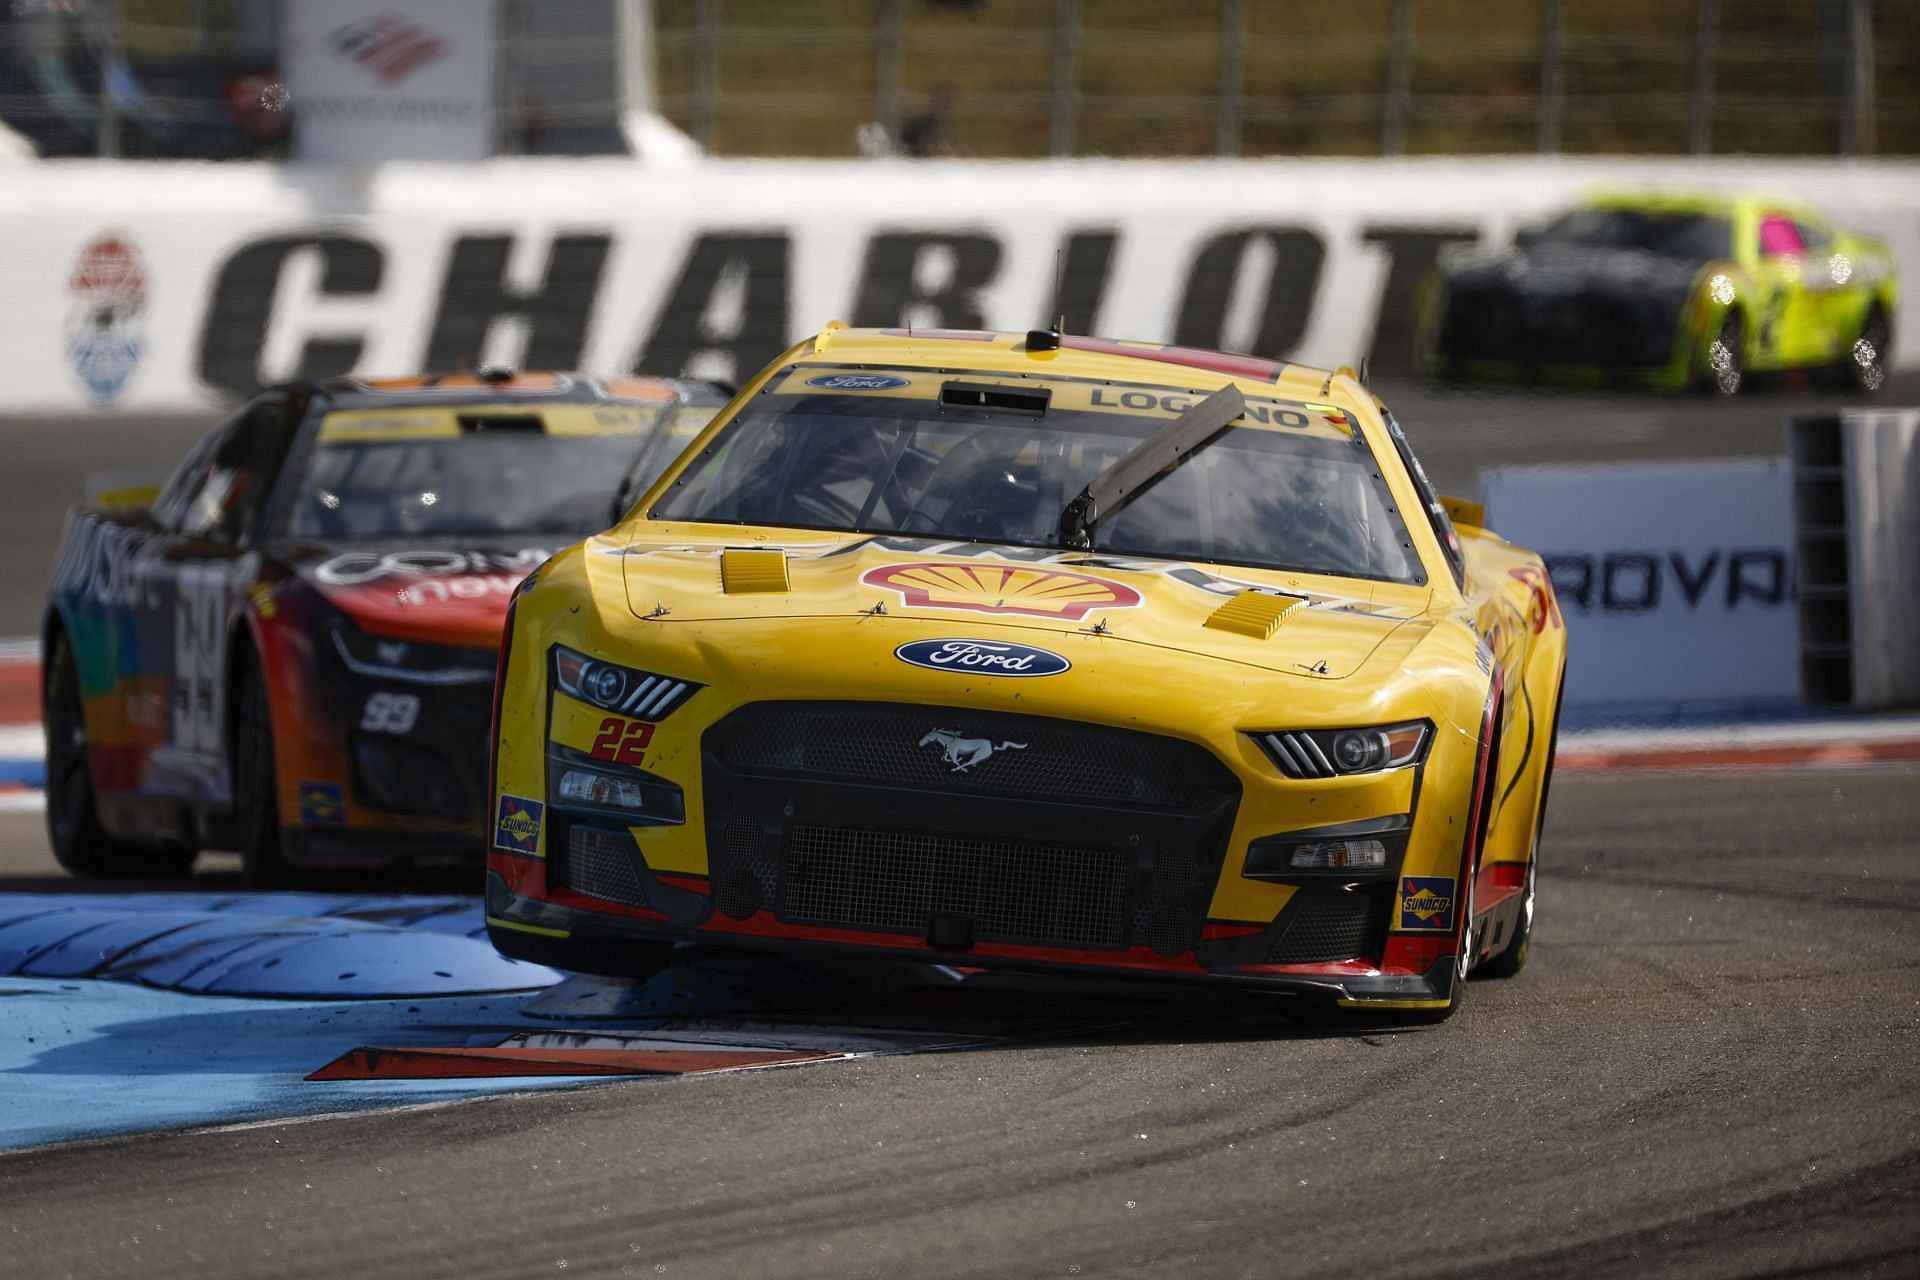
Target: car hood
[(1553, 270), (443, 593), (1302, 625)]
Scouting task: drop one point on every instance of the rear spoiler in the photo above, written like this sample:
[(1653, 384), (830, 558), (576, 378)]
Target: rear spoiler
[(123, 488)]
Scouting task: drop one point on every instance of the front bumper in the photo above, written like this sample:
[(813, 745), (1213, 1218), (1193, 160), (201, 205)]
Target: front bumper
[(595, 940)]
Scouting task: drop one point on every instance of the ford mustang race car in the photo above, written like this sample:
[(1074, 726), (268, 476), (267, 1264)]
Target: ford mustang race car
[(289, 649), (1668, 292), (1035, 652)]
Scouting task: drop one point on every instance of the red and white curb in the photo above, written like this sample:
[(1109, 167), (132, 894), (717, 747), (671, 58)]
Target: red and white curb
[(1768, 745), (22, 747)]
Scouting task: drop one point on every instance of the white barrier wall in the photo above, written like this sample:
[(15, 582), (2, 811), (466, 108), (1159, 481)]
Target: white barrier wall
[(172, 287), (1676, 578)]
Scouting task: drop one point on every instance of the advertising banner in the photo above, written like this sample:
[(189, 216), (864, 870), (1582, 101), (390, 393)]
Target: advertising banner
[(154, 287), (1676, 578), (375, 80)]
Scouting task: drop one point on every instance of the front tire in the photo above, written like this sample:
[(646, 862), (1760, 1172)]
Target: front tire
[(256, 787), (80, 844)]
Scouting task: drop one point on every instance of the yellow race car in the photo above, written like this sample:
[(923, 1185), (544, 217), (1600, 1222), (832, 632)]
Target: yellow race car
[(1666, 292), (1037, 652)]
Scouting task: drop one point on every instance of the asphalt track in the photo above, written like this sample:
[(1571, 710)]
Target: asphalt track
[(1457, 432), (1709, 1069)]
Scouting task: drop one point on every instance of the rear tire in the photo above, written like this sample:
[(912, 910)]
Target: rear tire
[(79, 842), (1867, 361), (1726, 357), (1513, 958), (256, 787)]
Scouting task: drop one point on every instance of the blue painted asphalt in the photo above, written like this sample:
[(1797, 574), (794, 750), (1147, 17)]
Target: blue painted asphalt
[(125, 1013), (289, 945), (142, 1012), (91, 1059)]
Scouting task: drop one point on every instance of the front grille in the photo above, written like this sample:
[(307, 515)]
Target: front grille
[(744, 871), (1011, 890), (600, 865), (954, 750), (1328, 926)]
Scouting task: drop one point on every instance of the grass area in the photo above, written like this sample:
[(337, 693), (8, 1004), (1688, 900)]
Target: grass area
[(1146, 78)]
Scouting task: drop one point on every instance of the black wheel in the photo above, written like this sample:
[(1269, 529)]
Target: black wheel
[(80, 843), (1513, 957), (1726, 357), (1867, 361), (255, 790)]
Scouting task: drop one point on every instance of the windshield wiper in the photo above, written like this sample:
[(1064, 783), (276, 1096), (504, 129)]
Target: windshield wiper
[(1134, 472)]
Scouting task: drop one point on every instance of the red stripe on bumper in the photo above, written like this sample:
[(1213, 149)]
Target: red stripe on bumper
[(474, 1064)]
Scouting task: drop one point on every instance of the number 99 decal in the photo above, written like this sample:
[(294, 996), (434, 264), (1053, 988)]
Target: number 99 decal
[(622, 741), (390, 713)]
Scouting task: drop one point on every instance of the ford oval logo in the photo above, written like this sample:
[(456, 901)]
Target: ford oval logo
[(858, 382), (982, 657)]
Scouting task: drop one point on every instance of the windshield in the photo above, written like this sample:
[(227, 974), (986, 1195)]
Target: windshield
[(519, 469), (881, 453), (1697, 237)]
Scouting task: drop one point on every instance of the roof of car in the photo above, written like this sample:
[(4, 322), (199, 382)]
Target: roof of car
[(1723, 204), (513, 386), (1036, 354)]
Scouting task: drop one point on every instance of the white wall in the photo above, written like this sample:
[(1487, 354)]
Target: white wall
[(714, 266)]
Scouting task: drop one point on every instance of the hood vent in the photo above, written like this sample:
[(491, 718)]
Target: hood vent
[(749, 569), (1254, 613)]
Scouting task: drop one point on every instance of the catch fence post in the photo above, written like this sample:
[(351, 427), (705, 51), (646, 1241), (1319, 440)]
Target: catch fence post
[(1553, 59), (1399, 89), (1227, 103), (1066, 76), (1706, 40)]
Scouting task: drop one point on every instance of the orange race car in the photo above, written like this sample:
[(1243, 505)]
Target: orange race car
[(289, 648)]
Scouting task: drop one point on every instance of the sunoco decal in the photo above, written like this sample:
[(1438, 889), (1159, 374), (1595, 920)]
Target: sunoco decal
[(981, 657), (516, 824), (1034, 592), (321, 803), (1426, 904)]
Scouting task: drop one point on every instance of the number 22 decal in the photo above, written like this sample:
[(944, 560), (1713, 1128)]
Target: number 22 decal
[(623, 741)]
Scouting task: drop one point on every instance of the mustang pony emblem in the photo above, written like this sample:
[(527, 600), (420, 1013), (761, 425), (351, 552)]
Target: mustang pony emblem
[(964, 753)]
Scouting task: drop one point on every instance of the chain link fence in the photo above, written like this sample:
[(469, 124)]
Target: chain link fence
[(1306, 77), (1017, 78)]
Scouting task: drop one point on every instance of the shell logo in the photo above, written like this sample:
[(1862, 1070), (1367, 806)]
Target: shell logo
[(1030, 590)]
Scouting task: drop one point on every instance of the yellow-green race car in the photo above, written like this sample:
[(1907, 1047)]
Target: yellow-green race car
[(1666, 292), (1036, 652)]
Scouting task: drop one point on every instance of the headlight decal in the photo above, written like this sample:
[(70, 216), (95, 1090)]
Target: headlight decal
[(642, 695), (1335, 753)]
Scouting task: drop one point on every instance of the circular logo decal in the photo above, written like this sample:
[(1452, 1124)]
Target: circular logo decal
[(858, 382), (106, 321), (982, 657)]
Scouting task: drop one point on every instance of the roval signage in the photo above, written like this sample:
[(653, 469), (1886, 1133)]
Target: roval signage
[(256, 273), (1676, 578)]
